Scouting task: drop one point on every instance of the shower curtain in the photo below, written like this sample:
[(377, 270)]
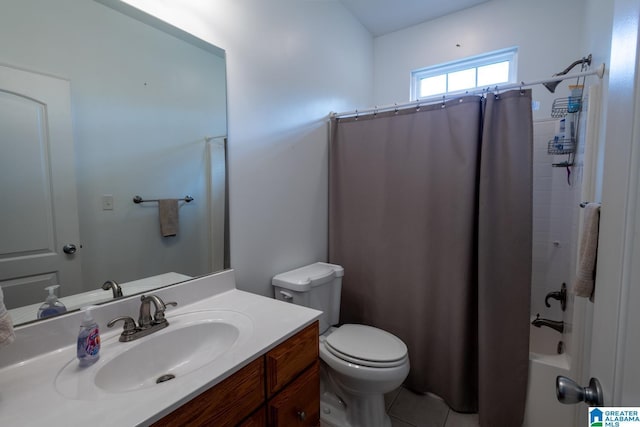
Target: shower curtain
[(430, 215)]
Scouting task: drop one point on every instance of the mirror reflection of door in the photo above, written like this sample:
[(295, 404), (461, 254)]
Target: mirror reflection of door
[(38, 206)]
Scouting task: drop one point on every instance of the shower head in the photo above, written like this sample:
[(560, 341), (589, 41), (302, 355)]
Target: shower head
[(552, 84)]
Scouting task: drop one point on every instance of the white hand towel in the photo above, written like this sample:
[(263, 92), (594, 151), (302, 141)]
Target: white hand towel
[(584, 284), (6, 326), (168, 210)]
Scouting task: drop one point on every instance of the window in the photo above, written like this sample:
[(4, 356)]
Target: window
[(478, 72)]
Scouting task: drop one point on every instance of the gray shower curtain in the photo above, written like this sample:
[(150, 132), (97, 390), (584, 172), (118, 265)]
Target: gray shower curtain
[(430, 215)]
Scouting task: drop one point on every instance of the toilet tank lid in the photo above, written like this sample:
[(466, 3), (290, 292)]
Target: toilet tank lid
[(304, 278)]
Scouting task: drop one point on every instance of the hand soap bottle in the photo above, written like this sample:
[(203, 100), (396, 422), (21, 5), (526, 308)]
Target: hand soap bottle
[(88, 350), (51, 305)]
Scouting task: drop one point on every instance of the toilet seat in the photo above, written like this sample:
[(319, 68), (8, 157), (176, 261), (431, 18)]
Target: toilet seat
[(366, 346)]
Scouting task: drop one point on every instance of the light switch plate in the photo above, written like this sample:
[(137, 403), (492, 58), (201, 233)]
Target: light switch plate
[(107, 202)]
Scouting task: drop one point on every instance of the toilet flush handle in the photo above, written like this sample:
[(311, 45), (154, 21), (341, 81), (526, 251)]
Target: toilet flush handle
[(286, 296)]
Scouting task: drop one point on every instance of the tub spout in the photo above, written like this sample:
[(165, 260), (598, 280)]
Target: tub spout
[(558, 325)]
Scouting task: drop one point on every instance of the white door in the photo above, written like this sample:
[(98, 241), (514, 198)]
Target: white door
[(614, 352), (38, 201)]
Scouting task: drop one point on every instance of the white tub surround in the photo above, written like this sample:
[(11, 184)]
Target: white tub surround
[(29, 367)]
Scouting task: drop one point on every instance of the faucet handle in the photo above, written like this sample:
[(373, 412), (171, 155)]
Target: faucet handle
[(129, 326), (560, 295), (159, 314), (129, 323)]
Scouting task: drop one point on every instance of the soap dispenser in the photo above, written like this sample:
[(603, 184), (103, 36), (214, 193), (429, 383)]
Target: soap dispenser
[(88, 349), (52, 304)]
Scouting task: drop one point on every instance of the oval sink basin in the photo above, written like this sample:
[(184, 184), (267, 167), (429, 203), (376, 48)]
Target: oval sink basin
[(190, 342), (177, 352)]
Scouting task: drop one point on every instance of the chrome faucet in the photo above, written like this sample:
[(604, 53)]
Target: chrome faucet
[(558, 325), (146, 324), (113, 285), (145, 320)]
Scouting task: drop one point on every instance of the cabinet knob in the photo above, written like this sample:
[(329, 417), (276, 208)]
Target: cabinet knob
[(302, 415)]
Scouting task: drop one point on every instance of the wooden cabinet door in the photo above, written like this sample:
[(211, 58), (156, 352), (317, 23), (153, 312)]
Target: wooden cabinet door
[(299, 403), (224, 405), (291, 357)]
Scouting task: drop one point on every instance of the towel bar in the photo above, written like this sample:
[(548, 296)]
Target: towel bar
[(138, 199)]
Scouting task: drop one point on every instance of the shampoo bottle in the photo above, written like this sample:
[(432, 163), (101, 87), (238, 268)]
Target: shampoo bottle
[(52, 304), (88, 351)]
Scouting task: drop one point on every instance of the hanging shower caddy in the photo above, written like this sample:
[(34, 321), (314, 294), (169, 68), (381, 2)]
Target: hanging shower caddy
[(566, 109), (562, 106), (558, 146)]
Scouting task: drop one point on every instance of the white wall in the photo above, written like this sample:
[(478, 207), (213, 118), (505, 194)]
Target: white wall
[(547, 33), (596, 38), (289, 64)]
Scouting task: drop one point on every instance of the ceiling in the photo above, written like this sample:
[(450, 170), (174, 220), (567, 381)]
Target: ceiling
[(385, 16)]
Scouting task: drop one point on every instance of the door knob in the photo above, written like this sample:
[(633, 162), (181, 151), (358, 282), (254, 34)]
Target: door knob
[(570, 392), (69, 249)]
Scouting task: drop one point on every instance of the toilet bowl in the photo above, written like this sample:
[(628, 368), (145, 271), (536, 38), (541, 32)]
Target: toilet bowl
[(359, 363), (360, 366)]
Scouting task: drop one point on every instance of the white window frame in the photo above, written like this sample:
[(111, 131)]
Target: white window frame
[(510, 54)]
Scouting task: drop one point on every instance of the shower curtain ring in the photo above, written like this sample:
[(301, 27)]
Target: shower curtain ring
[(521, 88), (395, 111), (356, 114), (375, 111), (418, 105), (443, 104)]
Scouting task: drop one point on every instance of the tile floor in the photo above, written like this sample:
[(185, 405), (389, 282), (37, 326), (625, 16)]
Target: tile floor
[(408, 409)]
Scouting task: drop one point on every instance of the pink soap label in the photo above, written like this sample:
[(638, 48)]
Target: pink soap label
[(92, 346)]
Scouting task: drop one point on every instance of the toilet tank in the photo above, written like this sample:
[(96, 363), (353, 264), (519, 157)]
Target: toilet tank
[(317, 286)]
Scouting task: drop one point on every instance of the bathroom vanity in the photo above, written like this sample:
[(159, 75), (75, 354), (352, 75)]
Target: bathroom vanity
[(280, 388), (238, 359)]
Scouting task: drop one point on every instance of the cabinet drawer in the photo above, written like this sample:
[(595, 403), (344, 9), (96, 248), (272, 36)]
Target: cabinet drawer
[(299, 403), (226, 404), (290, 358)]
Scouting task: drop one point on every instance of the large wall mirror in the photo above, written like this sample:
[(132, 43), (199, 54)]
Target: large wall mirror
[(97, 107)]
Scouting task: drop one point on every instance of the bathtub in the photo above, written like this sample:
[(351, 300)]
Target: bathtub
[(545, 364)]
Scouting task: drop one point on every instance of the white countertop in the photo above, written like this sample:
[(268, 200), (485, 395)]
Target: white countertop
[(28, 395)]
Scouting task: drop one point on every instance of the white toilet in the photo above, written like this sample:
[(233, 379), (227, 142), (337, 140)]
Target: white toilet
[(361, 363)]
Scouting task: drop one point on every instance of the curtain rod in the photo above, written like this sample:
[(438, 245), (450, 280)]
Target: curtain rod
[(436, 99)]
